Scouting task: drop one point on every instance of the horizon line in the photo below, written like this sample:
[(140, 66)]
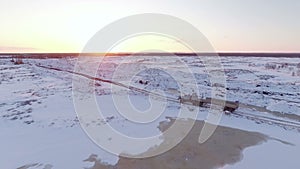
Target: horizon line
[(219, 52), (225, 54)]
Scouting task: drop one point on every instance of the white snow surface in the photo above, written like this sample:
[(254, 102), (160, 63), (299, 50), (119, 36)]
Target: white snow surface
[(39, 125)]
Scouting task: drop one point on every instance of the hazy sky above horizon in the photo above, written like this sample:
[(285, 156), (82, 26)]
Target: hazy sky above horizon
[(66, 26)]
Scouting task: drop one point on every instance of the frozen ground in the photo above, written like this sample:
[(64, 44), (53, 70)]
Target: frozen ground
[(39, 127)]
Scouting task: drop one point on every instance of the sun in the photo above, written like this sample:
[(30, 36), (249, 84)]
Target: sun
[(149, 42)]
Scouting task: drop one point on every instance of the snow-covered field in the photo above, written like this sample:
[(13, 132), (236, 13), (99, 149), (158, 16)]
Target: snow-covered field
[(39, 127)]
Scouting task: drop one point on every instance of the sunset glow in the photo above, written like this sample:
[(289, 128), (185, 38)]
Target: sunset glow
[(56, 26), (149, 43)]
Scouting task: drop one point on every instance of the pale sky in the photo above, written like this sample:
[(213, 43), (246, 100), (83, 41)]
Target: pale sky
[(230, 25)]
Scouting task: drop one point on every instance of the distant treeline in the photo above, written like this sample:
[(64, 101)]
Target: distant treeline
[(62, 55)]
